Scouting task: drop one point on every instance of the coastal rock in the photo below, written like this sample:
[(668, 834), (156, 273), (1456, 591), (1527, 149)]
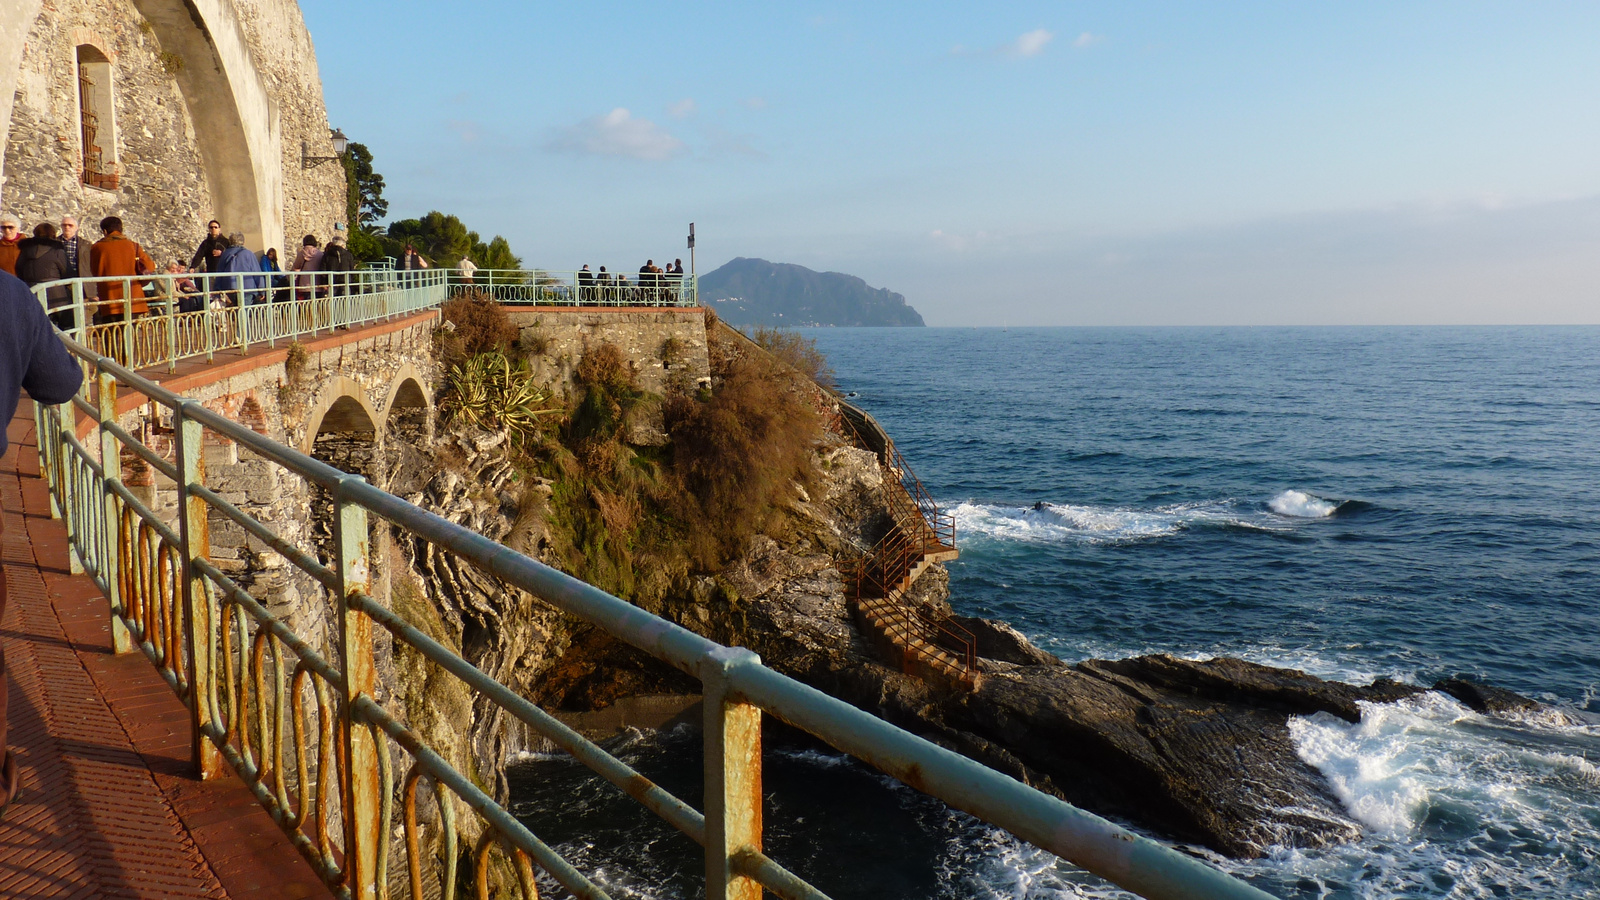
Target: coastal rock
[(1485, 698)]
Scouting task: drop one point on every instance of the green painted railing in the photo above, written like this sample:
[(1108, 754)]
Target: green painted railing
[(340, 773), (199, 314), (544, 287)]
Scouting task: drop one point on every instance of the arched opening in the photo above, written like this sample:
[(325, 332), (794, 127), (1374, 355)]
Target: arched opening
[(97, 119), (347, 440), (405, 435)]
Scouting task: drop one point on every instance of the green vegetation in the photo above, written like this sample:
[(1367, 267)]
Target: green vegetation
[(491, 392), (633, 518), (441, 239)]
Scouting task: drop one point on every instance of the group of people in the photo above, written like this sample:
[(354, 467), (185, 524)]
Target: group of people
[(603, 286), (230, 274)]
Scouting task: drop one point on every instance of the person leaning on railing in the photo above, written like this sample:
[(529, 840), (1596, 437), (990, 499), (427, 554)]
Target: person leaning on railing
[(34, 360), (115, 255)]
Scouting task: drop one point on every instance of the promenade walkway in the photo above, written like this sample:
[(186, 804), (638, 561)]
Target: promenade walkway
[(108, 806)]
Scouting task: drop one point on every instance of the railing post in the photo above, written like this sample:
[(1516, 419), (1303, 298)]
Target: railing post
[(199, 618), (63, 418), (111, 465), (733, 777), (361, 787), (127, 324), (172, 325)]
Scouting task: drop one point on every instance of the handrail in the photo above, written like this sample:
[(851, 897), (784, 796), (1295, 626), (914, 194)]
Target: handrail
[(547, 287), (184, 315), (250, 681)]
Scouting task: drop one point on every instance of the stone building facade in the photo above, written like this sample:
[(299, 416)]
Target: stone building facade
[(166, 113)]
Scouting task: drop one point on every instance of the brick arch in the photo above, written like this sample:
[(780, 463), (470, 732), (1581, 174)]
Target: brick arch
[(349, 412)]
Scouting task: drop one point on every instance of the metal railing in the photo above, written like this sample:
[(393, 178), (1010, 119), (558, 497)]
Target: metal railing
[(153, 320), (544, 287), (300, 727)]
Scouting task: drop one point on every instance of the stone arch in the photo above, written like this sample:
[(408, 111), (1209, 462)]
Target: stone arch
[(235, 117), (342, 432), (336, 389), (406, 389), (407, 464)]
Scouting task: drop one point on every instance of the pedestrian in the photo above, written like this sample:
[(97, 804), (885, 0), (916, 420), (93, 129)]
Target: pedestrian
[(411, 260), (42, 258), (337, 259), (243, 268), (585, 284), (280, 281), (31, 359), (115, 255), (306, 261), (10, 238), (468, 268), (77, 248), (210, 250)]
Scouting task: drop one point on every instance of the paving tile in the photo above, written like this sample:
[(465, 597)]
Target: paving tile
[(110, 807)]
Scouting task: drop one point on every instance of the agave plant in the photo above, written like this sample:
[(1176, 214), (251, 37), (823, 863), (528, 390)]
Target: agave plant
[(488, 391)]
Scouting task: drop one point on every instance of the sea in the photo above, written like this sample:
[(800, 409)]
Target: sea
[(1416, 503)]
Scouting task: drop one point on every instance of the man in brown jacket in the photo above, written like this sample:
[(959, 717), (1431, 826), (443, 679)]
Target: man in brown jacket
[(115, 255)]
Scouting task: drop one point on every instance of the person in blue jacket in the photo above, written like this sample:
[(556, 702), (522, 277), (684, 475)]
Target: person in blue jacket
[(238, 260), (32, 359)]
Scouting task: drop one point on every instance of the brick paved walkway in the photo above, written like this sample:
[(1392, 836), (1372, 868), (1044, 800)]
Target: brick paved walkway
[(108, 805)]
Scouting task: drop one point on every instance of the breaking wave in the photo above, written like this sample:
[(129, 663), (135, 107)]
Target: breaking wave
[(1301, 505)]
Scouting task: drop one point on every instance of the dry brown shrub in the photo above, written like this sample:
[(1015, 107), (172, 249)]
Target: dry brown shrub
[(738, 453), (603, 366), (796, 351), (476, 324)]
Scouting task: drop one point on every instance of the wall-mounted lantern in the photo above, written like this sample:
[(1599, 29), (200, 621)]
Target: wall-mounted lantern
[(340, 145)]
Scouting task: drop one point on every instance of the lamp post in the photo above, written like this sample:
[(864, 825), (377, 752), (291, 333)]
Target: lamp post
[(340, 145)]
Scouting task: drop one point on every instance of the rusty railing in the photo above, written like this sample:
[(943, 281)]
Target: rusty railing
[(300, 726)]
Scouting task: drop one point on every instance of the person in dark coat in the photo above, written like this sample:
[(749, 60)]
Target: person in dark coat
[(42, 258), (210, 249), (77, 247), (32, 359)]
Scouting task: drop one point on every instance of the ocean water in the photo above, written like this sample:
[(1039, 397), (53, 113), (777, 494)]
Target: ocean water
[(1415, 503)]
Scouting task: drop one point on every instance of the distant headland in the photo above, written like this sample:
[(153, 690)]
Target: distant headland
[(756, 292)]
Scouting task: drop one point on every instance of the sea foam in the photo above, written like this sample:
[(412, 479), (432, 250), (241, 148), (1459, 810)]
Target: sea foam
[(1301, 505)]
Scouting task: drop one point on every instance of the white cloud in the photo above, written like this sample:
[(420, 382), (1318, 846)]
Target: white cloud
[(1024, 47), (618, 133), (1086, 40), (683, 109), (1031, 44)]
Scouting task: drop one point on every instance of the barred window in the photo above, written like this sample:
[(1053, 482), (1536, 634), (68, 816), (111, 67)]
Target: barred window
[(99, 132)]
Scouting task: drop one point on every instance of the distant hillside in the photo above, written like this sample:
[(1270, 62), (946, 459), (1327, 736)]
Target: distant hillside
[(757, 292)]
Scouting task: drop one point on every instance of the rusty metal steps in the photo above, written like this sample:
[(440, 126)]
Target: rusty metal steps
[(884, 620)]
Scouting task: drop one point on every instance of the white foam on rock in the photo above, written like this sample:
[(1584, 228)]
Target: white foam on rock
[(1301, 505)]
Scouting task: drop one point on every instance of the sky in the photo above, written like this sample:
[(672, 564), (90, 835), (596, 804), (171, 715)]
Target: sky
[(1014, 164)]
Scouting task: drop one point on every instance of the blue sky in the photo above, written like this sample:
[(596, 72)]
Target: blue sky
[(1047, 164)]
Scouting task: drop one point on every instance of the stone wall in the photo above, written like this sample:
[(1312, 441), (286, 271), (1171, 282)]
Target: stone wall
[(288, 396), (163, 191), (213, 102), (662, 343)]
